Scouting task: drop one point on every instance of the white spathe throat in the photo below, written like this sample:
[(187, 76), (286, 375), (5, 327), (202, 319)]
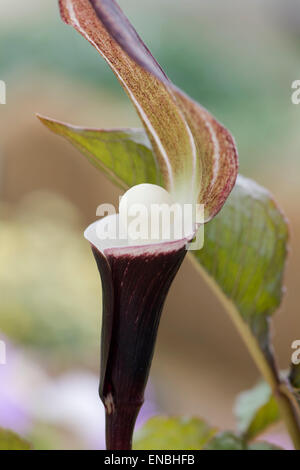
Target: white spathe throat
[(147, 215)]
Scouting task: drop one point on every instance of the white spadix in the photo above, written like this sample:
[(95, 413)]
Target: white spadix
[(147, 215)]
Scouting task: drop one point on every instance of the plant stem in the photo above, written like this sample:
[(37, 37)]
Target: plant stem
[(286, 401), (289, 408), (120, 425)]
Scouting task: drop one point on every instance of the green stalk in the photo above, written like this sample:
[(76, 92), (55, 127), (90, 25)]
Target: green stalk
[(286, 400)]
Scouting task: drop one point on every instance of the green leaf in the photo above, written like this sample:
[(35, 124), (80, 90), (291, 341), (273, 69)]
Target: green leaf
[(196, 155), (226, 441), (164, 433), (245, 251), (243, 260), (11, 441), (177, 433), (256, 410), (261, 445), (124, 155)]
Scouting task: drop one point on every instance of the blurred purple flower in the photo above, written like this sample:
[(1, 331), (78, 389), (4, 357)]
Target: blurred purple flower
[(72, 401), (29, 396), (15, 377)]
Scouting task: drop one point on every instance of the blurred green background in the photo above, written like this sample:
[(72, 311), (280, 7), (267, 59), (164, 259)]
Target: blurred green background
[(238, 59)]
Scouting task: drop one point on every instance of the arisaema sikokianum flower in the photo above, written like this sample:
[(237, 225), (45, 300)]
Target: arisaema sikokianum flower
[(183, 149)]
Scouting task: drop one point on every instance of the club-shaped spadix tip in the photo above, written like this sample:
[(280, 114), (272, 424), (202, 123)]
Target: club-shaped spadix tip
[(147, 215), (141, 216)]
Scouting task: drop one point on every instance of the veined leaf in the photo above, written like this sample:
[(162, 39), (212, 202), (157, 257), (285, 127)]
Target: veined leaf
[(124, 155), (256, 410), (196, 155), (243, 260), (175, 433), (262, 445), (11, 441), (245, 250), (178, 433), (227, 440)]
